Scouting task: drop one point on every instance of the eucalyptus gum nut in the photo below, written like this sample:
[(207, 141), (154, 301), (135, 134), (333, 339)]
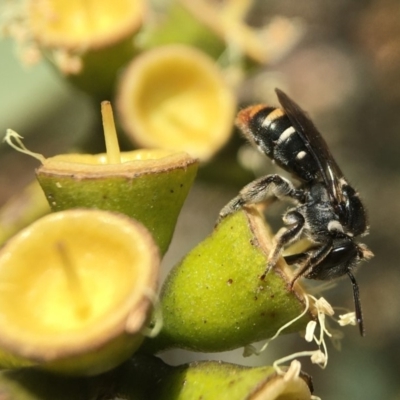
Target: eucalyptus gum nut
[(176, 97), (87, 43), (207, 380), (30, 384), (54, 23), (33, 384), (86, 364), (146, 378), (75, 292), (96, 361), (214, 300), (221, 381), (149, 186)]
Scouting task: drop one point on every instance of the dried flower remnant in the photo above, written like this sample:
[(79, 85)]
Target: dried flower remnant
[(347, 319), (319, 356), (250, 349)]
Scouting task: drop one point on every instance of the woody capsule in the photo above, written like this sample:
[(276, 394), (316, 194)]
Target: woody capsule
[(213, 300), (148, 185), (76, 292), (77, 286)]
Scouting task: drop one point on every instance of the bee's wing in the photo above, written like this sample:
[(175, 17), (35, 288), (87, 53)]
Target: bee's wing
[(315, 144)]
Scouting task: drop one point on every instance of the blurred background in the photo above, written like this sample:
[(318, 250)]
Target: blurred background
[(341, 62)]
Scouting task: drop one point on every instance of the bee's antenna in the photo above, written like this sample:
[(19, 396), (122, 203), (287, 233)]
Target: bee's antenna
[(357, 303)]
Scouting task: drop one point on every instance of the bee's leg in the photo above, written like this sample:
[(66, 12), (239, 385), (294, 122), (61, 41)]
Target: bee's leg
[(298, 258), (261, 190), (285, 236), (310, 268)]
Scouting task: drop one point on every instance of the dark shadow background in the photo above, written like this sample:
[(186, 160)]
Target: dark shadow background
[(346, 73)]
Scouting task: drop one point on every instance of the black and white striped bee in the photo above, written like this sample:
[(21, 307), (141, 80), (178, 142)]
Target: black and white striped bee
[(328, 211)]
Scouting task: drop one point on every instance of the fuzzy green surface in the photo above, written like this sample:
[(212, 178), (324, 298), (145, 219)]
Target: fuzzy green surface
[(214, 299), (154, 199), (97, 361), (149, 378), (32, 384), (94, 362), (214, 380)]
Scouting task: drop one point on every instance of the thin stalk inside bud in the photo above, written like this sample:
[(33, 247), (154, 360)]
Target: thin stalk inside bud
[(110, 134), (74, 284)]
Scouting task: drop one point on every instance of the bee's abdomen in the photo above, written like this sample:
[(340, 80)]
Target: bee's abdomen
[(270, 129)]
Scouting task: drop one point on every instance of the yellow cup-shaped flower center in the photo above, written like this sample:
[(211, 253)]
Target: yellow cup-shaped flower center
[(76, 22), (72, 279), (175, 98), (39, 294)]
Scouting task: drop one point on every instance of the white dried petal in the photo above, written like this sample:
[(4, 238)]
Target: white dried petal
[(318, 357), (293, 372), (347, 319), (310, 329), (324, 307)]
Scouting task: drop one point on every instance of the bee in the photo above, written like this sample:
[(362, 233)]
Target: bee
[(327, 209)]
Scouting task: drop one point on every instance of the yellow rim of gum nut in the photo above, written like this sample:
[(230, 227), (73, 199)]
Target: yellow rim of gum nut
[(148, 185), (175, 97), (74, 281), (84, 24)]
